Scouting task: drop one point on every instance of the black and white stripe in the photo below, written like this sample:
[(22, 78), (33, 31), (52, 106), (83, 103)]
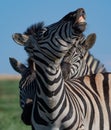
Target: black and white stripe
[(86, 66), (65, 105)]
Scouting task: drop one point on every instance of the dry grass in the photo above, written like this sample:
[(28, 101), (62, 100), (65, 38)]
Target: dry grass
[(9, 77)]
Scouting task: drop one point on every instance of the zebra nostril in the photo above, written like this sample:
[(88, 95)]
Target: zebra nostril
[(83, 12)]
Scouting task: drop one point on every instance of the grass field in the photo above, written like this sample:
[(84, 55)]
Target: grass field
[(10, 110)]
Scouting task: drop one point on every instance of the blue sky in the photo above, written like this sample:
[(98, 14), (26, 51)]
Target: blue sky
[(16, 16)]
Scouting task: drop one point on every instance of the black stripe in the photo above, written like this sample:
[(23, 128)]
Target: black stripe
[(98, 105), (46, 107), (38, 119), (93, 83), (106, 96)]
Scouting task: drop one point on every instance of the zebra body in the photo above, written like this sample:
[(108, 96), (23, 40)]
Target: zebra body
[(91, 95), (57, 103), (91, 98)]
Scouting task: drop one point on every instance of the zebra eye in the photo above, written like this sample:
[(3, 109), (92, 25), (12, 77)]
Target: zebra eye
[(42, 33), (46, 33)]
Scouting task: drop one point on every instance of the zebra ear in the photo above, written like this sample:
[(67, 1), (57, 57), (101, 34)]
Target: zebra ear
[(17, 66), (90, 41), (21, 39)]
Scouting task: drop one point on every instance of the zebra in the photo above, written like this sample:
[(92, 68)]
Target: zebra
[(27, 92), (85, 65), (81, 103), (27, 89), (26, 86)]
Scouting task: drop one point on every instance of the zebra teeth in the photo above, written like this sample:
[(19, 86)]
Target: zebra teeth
[(81, 19)]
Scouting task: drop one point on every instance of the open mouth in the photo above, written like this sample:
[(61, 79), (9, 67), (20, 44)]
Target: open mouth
[(80, 23), (81, 19)]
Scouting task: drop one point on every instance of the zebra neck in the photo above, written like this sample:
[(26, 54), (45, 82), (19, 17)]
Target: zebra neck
[(49, 75), (49, 82)]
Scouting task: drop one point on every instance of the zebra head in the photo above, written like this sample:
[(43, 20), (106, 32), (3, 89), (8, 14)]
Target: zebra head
[(54, 40), (28, 77), (74, 61)]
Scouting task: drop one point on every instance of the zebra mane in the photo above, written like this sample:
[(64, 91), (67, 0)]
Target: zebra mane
[(93, 62), (36, 30)]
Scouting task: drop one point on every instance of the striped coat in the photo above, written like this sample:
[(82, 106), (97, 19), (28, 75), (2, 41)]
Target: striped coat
[(58, 105)]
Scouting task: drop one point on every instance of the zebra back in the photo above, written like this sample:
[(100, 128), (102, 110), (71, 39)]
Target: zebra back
[(93, 63)]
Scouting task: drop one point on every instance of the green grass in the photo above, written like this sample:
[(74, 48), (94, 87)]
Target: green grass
[(10, 110)]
